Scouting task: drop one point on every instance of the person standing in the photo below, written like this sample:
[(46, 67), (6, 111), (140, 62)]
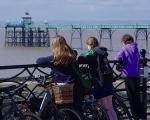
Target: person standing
[(60, 62), (130, 56), (103, 93)]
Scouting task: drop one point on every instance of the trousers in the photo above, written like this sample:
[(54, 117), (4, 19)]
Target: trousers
[(132, 85)]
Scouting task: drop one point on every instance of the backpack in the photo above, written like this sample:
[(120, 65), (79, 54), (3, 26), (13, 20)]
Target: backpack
[(104, 70)]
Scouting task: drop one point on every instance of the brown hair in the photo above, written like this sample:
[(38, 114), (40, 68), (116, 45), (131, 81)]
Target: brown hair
[(62, 52), (127, 39), (92, 42)]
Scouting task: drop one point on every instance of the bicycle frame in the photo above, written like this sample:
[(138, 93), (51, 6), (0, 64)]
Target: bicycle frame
[(14, 108), (47, 102)]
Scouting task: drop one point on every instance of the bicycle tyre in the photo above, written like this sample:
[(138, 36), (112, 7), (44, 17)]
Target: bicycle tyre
[(25, 116), (29, 116), (121, 109), (103, 115), (71, 113), (96, 112)]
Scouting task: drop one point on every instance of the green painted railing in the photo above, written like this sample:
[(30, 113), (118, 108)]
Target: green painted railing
[(90, 26)]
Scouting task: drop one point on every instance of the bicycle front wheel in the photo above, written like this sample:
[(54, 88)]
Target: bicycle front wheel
[(102, 113), (69, 114), (94, 112), (29, 116), (121, 109)]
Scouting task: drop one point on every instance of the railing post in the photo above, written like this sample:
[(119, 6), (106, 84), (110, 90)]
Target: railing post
[(143, 83)]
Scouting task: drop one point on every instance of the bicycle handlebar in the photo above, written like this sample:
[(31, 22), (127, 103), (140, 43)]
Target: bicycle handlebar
[(43, 80), (13, 89)]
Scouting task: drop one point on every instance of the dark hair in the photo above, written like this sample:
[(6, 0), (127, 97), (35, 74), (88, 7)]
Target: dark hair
[(92, 41), (127, 39)]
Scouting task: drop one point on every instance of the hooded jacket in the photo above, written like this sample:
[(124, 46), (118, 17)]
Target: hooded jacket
[(90, 58), (129, 54)]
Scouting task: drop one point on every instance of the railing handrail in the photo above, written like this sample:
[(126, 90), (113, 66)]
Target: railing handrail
[(20, 66), (35, 65)]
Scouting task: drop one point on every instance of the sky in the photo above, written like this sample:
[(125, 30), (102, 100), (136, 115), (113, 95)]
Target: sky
[(75, 10)]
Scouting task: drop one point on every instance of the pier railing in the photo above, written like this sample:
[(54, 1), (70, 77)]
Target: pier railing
[(10, 72), (21, 72)]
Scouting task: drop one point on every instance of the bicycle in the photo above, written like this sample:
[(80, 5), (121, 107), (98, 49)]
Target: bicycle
[(48, 110), (121, 109), (120, 102), (92, 110), (9, 108), (117, 100)]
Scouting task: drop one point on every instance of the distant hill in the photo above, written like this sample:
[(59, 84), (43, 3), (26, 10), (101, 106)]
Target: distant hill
[(99, 22), (2, 24)]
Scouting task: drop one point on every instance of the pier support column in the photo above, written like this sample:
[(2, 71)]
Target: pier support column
[(52, 32), (76, 34), (142, 34), (106, 34)]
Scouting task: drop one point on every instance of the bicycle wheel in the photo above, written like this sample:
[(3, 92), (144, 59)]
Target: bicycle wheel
[(69, 113), (94, 112), (120, 89), (28, 116), (25, 116), (121, 109), (102, 113)]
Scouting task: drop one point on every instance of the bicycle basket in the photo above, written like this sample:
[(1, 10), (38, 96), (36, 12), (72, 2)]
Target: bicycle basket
[(63, 93)]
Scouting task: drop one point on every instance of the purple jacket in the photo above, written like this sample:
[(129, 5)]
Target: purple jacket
[(129, 54)]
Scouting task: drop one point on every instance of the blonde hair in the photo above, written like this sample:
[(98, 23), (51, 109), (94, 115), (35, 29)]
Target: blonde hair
[(62, 52), (92, 42), (127, 39)]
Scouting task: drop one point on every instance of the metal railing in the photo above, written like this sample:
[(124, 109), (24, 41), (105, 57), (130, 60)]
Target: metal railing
[(30, 70)]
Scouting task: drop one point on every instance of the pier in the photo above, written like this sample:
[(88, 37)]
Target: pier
[(29, 34)]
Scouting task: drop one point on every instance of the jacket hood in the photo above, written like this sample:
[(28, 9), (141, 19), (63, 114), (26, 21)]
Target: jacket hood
[(102, 51), (132, 47)]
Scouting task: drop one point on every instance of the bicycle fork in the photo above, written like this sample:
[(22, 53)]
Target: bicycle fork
[(47, 108)]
